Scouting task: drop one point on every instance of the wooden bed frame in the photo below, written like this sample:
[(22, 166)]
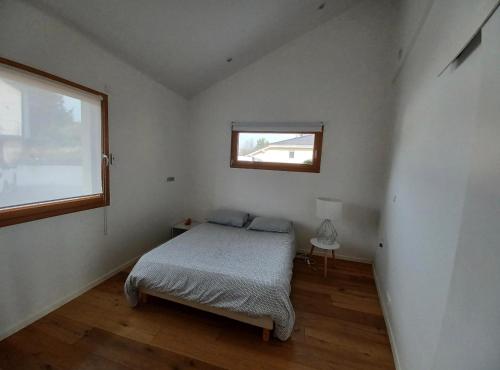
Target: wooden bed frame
[(265, 322)]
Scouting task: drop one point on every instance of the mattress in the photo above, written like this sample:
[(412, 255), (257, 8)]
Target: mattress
[(231, 268)]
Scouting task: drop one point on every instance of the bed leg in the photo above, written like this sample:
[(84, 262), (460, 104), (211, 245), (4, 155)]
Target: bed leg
[(266, 335), (143, 298)]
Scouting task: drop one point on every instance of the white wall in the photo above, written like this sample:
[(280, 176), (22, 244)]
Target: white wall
[(470, 336), (436, 190), (42, 262), (337, 73)]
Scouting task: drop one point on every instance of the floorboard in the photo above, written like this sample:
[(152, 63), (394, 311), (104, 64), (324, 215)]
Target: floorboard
[(339, 325)]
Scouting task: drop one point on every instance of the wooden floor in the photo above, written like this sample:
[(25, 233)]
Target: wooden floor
[(339, 325)]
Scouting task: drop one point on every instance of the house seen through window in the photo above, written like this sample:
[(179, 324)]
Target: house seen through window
[(277, 147)]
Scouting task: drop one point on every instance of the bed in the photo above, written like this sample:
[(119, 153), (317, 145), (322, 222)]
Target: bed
[(241, 274)]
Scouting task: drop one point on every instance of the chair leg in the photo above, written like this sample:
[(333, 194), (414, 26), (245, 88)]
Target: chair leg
[(143, 298), (326, 266), (266, 335)]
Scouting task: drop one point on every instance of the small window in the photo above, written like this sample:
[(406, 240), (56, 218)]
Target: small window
[(53, 145), (282, 147)]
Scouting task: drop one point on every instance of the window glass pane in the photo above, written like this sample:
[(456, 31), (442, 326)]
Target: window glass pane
[(276, 147), (50, 141)]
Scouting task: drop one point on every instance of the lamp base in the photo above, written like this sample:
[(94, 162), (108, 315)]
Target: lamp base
[(326, 233)]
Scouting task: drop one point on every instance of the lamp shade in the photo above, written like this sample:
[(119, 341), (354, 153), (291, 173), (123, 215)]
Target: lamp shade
[(328, 209)]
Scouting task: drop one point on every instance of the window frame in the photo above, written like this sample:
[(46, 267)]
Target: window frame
[(39, 210), (315, 167)]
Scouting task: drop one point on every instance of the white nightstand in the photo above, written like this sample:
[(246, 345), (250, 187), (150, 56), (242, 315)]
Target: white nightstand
[(329, 247), (180, 228)]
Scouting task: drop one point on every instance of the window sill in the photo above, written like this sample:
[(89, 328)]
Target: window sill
[(276, 167), (31, 212)]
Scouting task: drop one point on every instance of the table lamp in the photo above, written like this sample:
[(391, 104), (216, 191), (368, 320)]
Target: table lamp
[(328, 210)]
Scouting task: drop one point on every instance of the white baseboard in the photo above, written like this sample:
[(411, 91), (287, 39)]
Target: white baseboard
[(52, 307), (340, 256), (387, 320), (353, 258)]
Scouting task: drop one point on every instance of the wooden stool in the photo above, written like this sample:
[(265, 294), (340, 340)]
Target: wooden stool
[(315, 243)]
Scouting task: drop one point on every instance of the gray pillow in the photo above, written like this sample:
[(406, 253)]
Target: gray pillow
[(228, 217), (275, 225)]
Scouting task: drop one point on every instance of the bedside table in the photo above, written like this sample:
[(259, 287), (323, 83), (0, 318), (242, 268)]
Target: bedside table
[(180, 228), (315, 243)]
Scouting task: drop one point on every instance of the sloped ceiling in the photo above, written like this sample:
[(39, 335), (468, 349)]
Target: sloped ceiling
[(185, 44)]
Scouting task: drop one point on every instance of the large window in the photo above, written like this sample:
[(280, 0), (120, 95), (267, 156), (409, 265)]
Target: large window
[(283, 147), (53, 145)]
